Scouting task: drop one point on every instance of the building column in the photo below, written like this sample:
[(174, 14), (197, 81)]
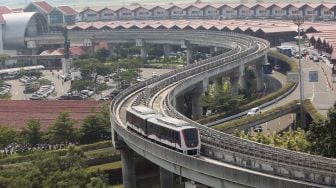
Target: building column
[(234, 83), (197, 109), (192, 184), (258, 71), (166, 178), (242, 81), (167, 50), (128, 167)]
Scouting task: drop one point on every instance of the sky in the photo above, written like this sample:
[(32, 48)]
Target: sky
[(80, 4)]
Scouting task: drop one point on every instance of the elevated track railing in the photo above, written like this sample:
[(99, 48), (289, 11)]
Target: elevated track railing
[(226, 147)]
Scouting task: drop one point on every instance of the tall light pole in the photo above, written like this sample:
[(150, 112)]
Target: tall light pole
[(299, 20)]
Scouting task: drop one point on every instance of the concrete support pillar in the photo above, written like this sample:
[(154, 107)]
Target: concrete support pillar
[(213, 49), (179, 104), (34, 52), (197, 109), (89, 45), (1, 39), (167, 50), (242, 81), (205, 85), (128, 168), (143, 53), (234, 84), (166, 178), (258, 71), (189, 55)]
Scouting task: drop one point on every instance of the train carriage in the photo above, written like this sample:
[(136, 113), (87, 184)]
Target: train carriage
[(174, 133), (170, 132), (137, 116)]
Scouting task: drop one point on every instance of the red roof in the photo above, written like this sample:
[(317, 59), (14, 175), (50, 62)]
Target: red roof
[(44, 6), (15, 113), (5, 10), (66, 10)]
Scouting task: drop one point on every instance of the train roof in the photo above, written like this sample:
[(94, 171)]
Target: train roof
[(169, 122), (143, 110)]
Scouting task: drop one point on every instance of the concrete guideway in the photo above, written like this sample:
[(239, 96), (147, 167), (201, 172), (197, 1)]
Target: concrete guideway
[(219, 146)]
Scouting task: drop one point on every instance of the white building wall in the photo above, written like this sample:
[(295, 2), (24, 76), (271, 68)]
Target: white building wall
[(309, 12), (142, 13), (108, 14), (260, 11), (210, 11), (194, 12), (293, 11), (124, 13), (228, 12), (277, 12), (245, 11), (326, 13), (160, 13), (177, 12), (89, 15)]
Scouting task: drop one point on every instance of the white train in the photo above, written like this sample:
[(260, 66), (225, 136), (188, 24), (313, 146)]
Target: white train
[(170, 132)]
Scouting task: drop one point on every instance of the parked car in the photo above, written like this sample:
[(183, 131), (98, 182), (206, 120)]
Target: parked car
[(86, 92), (36, 97), (254, 111), (316, 59), (258, 128)]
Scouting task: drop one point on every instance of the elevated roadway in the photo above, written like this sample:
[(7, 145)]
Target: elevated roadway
[(226, 161)]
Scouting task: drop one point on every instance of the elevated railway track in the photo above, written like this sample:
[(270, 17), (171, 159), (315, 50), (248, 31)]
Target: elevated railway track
[(223, 155)]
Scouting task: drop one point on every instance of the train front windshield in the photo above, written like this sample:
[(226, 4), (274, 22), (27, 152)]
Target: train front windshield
[(191, 137)]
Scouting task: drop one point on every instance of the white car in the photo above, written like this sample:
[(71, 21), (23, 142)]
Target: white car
[(254, 111)]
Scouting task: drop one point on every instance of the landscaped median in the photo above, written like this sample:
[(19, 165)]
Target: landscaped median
[(281, 59), (312, 111), (250, 121)]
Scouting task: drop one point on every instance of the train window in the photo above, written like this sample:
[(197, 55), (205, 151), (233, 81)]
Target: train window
[(191, 137)]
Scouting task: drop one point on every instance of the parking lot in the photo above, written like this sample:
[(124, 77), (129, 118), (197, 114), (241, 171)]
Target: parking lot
[(61, 87)]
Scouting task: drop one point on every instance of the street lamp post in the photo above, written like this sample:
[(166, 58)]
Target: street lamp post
[(299, 21)]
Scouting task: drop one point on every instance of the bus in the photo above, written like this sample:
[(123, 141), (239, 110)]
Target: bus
[(286, 50)]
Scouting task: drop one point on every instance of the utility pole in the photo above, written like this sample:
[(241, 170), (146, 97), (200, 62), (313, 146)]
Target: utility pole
[(299, 20)]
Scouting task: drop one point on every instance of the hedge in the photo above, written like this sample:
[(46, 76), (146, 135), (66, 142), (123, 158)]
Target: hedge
[(250, 119), (310, 109), (293, 65), (59, 152)]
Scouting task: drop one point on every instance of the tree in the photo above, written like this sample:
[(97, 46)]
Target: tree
[(221, 99), (7, 136), (32, 132), (78, 85), (102, 54), (62, 131), (322, 135), (96, 127)]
